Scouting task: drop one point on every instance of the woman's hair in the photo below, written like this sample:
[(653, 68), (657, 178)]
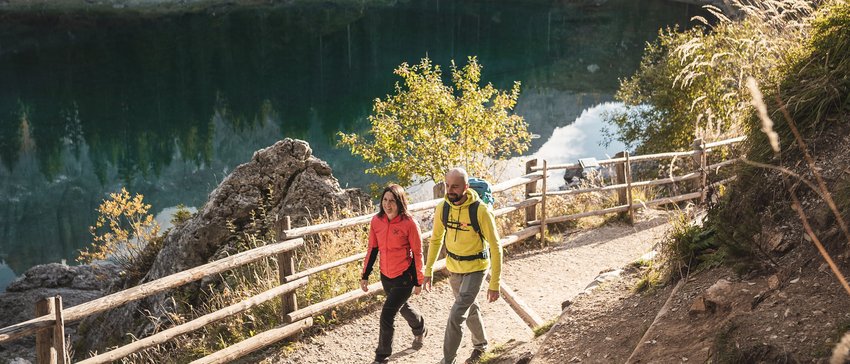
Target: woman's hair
[(400, 200)]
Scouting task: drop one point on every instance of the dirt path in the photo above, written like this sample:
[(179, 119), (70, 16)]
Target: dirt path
[(543, 278)]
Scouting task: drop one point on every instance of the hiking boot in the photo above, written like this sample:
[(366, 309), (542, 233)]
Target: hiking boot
[(419, 340), (475, 357)]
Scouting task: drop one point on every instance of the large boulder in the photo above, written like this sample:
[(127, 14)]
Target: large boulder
[(285, 178), (75, 284)]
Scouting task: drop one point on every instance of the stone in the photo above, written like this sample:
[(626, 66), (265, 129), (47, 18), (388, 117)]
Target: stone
[(698, 306), (566, 304), (719, 293), (773, 282), (55, 275)]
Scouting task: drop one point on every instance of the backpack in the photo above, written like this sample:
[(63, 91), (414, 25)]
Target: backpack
[(482, 187)]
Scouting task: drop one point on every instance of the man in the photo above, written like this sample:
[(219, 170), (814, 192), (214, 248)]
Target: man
[(469, 254)]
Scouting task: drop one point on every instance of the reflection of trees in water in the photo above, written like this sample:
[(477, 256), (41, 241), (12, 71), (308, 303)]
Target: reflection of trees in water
[(148, 87), (140, 101)]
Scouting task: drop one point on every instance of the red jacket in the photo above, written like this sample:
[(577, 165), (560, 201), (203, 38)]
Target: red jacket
[(399, 244)]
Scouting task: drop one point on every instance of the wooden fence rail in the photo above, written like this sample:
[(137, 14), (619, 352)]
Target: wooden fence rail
[(200, 322), (148, 289), (297, 319)]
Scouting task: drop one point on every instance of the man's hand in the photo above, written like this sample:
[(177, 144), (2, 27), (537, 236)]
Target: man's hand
[(417, 290), (426, 285), (492, 296), (364, 285)]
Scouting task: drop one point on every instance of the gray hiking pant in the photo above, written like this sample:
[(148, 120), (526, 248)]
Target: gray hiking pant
[(465, 287)]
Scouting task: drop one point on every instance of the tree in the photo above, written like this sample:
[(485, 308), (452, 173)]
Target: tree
[(427, 127)]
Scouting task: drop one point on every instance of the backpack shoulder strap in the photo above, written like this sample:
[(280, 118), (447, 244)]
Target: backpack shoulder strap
[(445, 215), (473, 218)]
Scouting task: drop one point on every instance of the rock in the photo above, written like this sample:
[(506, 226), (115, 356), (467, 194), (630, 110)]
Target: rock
[(56, 275), (841, 352), (602, 278), (566, 304), (774, 241), (714, 298), (648, 256), (698, 306), (75, 284), (773, 282), (719, 293), (284, 178)]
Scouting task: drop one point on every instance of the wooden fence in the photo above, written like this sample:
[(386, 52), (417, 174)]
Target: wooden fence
[(51, 318)]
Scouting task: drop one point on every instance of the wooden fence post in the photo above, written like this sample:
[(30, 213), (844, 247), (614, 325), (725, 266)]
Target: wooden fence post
[(285, 267), (628, 173), (543, 204), (50, 341), (700, 158), (622, 196), (531, 211), (59, 332), (439, 192)]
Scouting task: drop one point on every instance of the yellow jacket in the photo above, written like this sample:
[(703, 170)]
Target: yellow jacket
[(461, 239)]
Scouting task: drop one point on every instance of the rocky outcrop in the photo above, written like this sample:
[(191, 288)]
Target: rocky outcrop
[(284, 178), (96, 277), (75, 284)]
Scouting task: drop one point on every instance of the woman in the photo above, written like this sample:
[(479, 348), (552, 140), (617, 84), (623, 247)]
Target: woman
[(396, 237)]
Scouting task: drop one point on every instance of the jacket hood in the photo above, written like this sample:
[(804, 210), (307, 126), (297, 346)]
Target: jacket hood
[(471, 196)]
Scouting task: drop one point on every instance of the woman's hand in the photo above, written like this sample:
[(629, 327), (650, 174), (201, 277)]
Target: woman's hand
[(417, 290), (364, 285)]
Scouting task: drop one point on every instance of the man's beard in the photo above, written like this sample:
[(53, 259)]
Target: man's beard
[(453, 197)]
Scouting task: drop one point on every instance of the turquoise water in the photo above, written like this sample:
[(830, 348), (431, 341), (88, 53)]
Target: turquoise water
[(168, 105)]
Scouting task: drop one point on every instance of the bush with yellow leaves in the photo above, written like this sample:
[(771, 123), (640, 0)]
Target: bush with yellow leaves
[(122, 230)]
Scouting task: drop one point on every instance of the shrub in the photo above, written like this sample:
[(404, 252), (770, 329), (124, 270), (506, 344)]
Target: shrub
[(691, 84), (122, 230)]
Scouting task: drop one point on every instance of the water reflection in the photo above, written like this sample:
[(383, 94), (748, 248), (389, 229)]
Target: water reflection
[(169, 105), (6, 276)]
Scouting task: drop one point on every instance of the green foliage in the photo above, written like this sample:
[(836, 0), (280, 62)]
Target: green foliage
[(817, 87), (814, 87), (650, 278), (691, 84), (122, 230), (542, 329), (689, 246), (181, 215), (427, 127)]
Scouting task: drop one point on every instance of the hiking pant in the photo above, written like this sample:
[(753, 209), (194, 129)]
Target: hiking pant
[(465, 287), (398, 290)]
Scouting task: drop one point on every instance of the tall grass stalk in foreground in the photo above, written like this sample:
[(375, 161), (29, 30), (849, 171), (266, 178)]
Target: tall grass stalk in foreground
[(823, 191)]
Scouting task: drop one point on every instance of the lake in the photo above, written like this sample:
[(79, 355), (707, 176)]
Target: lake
[(168, 105)]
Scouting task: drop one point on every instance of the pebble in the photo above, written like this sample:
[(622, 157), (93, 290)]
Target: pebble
[(795, 280)]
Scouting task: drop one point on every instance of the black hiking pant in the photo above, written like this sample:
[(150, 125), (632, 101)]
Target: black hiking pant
[(398, 291)]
